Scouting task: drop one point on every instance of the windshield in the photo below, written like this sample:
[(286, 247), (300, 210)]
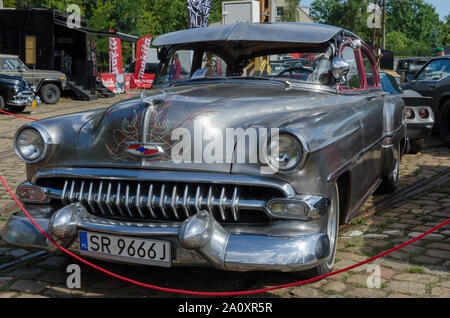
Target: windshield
[(435, 70), (11, 64), (311, 66)]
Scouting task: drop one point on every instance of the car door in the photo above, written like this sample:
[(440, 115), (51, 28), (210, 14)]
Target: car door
[(428, 77), (363, 82)]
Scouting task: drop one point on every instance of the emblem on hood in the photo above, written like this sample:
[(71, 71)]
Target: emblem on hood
[(149, 149)]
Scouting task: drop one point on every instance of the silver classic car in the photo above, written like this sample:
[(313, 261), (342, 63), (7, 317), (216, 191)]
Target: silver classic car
[(228, 164)]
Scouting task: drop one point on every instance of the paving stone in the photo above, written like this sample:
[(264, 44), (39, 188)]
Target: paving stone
[(54, 261), (393, 232), (304, 292), (445, 283), (334, 287), (431, 236), (375, 236), (426, 260), (60, 291), (31, 296), (396, 295), (418, 278), (353, 234), (18, 253), (28, 286), (26, 272), (54, 277), (8, 294), (406, 287), (351, 257), (439, 253), (366, 293), (440, 292), (5, 281)]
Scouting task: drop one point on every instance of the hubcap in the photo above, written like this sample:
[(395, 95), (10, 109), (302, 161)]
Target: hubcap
[(332, 229)]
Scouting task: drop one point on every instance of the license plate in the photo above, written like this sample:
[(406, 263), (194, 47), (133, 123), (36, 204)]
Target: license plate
[(125, 248)]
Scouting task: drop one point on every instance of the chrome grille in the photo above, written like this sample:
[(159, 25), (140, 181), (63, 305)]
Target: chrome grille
[(175, 201)]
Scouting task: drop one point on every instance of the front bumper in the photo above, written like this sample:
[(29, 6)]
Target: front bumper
[(25, 98), (199, 240)]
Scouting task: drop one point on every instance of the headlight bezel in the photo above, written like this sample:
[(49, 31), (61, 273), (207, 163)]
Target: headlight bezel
[(301, 142), (45, 139)]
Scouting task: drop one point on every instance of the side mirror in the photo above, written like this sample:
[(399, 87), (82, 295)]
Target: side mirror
[(356, 44), (340, 69)]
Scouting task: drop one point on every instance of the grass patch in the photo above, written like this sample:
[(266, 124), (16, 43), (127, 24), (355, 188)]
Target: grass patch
[(415, 269), (384, 225), (358, 221), (350, 244)]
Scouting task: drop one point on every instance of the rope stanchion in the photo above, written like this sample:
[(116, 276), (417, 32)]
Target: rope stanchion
[(249, 292), (7, 113)]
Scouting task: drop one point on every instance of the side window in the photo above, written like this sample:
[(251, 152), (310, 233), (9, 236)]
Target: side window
[(436, 70), (178, 68), (215, 65), (369, 70), (353, 78)]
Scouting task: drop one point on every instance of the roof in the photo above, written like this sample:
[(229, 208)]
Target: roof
[(274, 32), (9, 56), (415, 58)]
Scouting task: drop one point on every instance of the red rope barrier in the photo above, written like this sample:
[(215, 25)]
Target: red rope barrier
[(2, 111), (257, 291)]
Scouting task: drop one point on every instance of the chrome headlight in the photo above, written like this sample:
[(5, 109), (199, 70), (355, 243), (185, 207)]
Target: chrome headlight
[(285, 152), (30, 144), (16, 89)]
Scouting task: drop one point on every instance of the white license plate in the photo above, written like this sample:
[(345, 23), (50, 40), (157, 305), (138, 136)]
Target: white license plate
[(125, 248)]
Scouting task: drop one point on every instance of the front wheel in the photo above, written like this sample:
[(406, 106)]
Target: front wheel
[(50, 93), (444, 123), (332, 231)]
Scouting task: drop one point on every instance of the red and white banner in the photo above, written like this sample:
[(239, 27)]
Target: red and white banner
[(115, 56), (116, 83), (145, 82), (143, 47)]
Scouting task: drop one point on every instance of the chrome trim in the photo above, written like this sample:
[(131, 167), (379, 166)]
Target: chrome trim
[(198, 240), (165, 176)]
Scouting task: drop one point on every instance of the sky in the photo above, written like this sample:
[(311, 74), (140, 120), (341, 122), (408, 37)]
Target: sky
[(442, 6)]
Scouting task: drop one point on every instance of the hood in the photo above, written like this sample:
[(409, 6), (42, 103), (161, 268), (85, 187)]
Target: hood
[(14, 80), (46, 73), (140, 133)]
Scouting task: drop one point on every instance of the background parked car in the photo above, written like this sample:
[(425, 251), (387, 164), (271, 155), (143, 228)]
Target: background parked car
[(49, 84), (434, 80), (419, 115), (16, 94), (407, 67)]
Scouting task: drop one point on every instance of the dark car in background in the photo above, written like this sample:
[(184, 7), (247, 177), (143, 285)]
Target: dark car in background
[(16, 94), (419, 114), (434, 80), (49, 84), (407, 67)]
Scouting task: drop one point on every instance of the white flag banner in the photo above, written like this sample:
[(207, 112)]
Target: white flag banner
[(198, 12)]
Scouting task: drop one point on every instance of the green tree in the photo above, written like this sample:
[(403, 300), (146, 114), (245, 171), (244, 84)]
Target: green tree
[(349, 14), (290, 10)]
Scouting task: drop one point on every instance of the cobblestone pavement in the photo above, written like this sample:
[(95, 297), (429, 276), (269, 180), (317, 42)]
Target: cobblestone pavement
[(419, 270)]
